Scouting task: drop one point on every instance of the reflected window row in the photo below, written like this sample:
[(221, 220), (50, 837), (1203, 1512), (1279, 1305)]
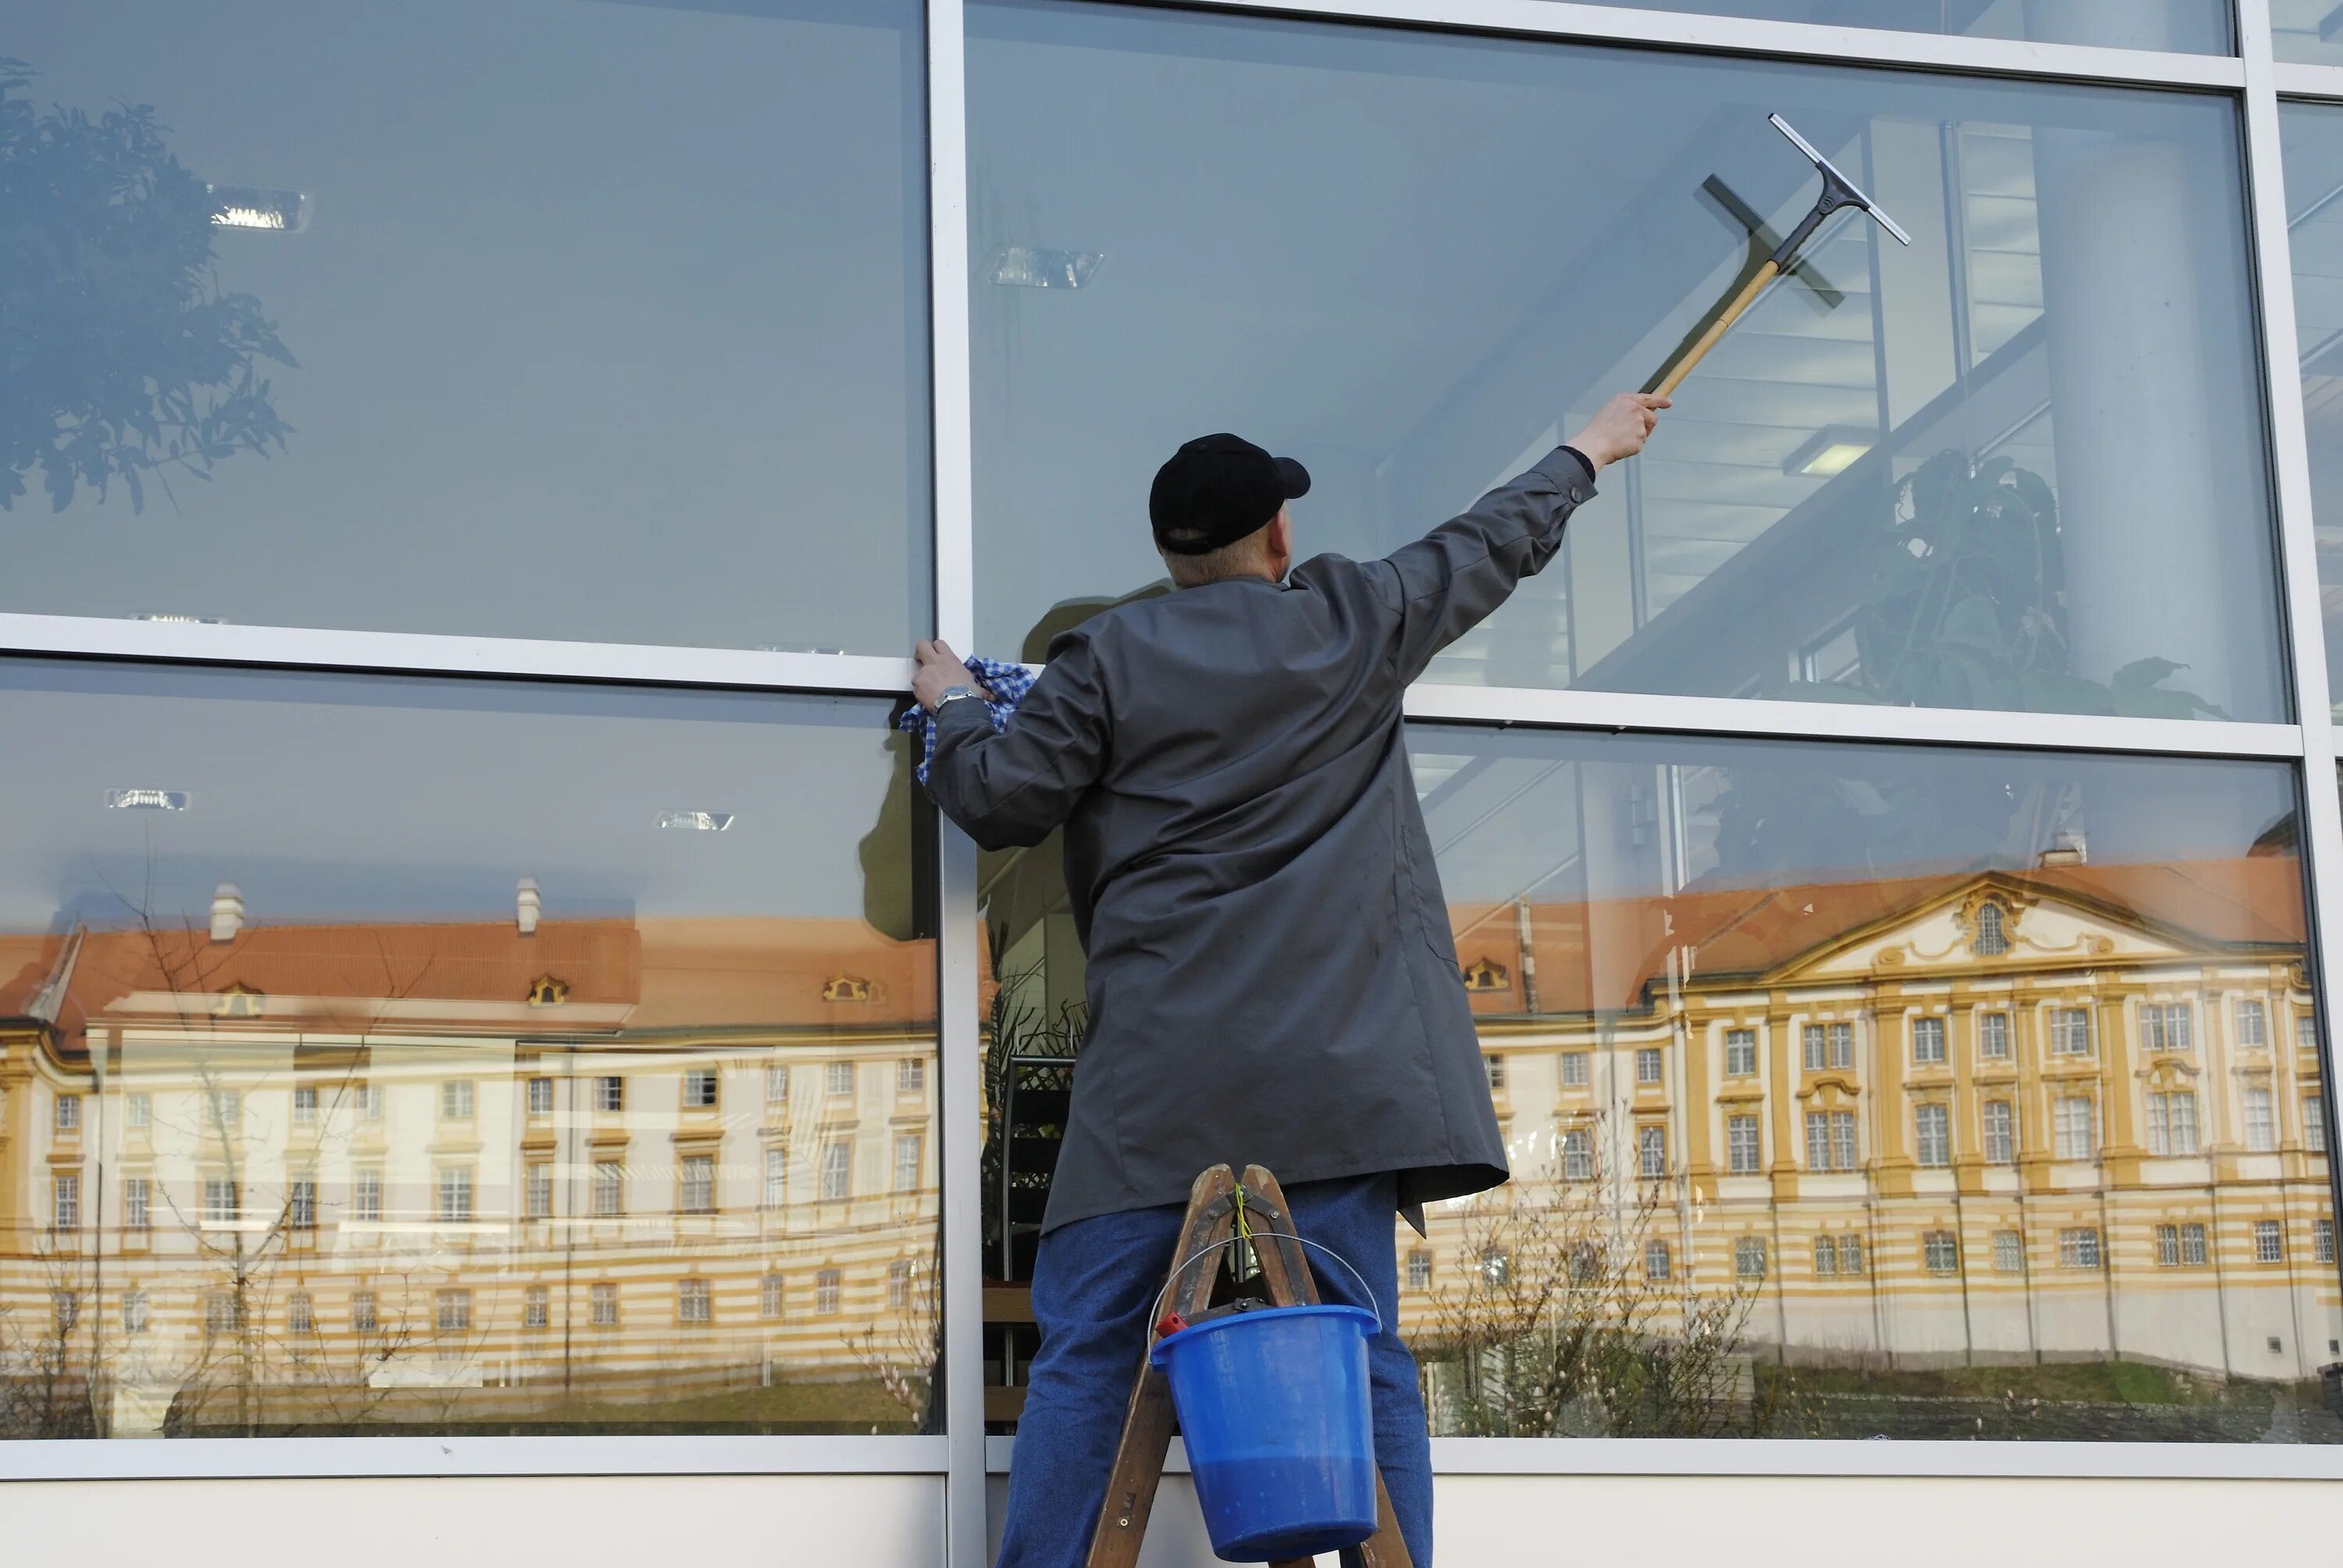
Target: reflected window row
[(695, 1300), (232, 1128), (1841, 1255)]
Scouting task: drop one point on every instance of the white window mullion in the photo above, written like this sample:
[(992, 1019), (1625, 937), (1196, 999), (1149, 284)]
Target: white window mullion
[(2321, 809), (1663, 713), (959, 1093)]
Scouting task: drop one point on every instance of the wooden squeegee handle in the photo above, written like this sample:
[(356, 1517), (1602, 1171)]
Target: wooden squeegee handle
[(1742, 301)]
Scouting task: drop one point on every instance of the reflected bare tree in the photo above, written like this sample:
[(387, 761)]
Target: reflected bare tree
[(46, 1389), (255, 1365), (1558, 1320), (901, 1351), (121, 357)]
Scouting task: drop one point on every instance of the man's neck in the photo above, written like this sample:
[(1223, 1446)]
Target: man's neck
[(1262, 576)]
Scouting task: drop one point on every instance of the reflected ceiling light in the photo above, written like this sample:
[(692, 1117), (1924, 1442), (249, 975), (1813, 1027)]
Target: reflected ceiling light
[(698, 821), (257, 206), (1832, 450), (183, 619), (1030, 267), (147, 799)]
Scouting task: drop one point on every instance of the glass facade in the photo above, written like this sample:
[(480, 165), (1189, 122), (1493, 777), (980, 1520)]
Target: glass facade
[(371, 1020), (1752, 999), (579, 1031), (2313, 147), (1632, 894), (532, 318), (1910, 476)]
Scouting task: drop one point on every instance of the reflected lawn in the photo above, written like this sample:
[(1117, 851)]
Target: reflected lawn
[(2083, 1402), (811, 1409)]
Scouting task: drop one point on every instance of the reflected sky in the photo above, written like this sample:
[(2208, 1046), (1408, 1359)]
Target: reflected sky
[(2312, 135), (1515, 814), (326, 798), (609, 319), (2304, 30)]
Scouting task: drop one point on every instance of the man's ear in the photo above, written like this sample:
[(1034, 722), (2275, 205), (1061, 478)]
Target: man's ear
[(1281, 534)]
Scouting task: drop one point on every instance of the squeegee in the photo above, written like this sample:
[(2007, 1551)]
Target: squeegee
[(1839, 192)]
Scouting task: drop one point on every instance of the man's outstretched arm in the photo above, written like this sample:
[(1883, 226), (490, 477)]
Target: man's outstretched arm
[(1452, 579), (1010, 788)]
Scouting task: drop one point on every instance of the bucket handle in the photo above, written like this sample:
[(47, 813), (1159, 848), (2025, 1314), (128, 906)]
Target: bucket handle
[(1156, 1314)]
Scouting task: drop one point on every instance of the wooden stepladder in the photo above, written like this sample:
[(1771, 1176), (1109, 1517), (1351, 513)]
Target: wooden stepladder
[(1284, 1275)]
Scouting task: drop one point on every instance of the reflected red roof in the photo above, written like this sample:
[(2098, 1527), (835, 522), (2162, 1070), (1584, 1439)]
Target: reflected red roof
[(614, 975), (676, 976), (1603, 956)]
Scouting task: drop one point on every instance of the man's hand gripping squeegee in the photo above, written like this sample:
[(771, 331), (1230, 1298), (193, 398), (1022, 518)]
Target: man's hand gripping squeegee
[(1839, 192)]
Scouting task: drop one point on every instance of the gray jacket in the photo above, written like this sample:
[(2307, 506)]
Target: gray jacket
[(1249, 869)]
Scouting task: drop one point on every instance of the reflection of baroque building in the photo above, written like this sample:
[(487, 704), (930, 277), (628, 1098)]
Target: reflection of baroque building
[(2071, 1114), (322, 1175)]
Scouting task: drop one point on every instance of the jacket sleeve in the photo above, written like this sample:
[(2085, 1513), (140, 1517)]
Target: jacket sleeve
[(1446, 583), (1010, 787)]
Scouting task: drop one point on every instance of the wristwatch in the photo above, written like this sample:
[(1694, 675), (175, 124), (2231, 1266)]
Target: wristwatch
[(952, 692)]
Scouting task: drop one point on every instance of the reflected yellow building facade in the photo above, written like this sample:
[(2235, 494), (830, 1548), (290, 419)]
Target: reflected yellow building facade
[(596, 1173), (523, 1176), (2072, 1114)]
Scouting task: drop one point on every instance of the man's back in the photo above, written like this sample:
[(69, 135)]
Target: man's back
[(1249, 869), (1249, 717)]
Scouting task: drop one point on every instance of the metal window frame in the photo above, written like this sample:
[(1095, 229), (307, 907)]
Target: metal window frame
[(225, 1458), (1848, 1457), (959, 1077), (962, 1455)]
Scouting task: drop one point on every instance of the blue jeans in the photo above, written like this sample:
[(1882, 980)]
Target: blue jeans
[(1094, 1284)]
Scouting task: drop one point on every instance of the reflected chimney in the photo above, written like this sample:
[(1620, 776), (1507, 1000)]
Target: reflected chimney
[(2067, 849), (227, 912), (527, 906), (1527, 953)]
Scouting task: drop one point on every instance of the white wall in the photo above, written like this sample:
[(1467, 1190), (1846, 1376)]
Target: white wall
[(846, 1520), (1753, 1522), (896, 1521)]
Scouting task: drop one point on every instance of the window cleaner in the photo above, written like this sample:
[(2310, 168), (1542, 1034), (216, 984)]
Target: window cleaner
[(1252, 883)]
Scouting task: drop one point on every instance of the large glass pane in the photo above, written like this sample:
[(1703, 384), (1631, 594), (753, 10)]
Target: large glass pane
[(1850, 1091), (2014, 465), (1915, 1093), (390, 1056), (532, 318), (2312, 138), (2189, 26), (2310, 31)]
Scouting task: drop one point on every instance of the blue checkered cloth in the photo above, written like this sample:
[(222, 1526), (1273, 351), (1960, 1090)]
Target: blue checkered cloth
[(1009, 683)]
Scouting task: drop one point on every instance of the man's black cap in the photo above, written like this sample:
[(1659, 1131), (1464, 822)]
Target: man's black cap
[(1216, 489)]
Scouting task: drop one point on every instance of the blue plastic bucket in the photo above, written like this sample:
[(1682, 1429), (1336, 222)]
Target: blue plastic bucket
[(1276, 1411)]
